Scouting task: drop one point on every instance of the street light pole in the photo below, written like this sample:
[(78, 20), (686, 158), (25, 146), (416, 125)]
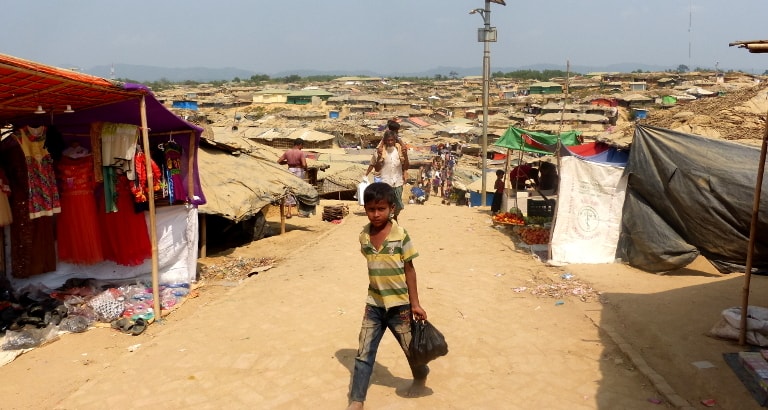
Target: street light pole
[(486, 35)]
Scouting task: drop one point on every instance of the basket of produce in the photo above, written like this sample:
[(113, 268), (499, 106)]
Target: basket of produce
[(533, 235), (538, 220), (508, 218)]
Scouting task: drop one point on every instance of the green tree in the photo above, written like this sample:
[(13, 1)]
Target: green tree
[(682, 68), (257, 78)]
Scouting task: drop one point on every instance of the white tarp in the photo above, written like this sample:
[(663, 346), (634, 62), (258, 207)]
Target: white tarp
[(590, 201), (177, 242)]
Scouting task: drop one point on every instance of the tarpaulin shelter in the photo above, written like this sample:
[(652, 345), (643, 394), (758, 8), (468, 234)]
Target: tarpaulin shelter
[(72, 101), (689, 195), (598, 152), (538, 142)]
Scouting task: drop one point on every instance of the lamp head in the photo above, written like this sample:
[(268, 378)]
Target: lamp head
[(474, 11)]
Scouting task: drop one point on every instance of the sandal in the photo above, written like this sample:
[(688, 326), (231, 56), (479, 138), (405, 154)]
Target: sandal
[(139, 326), (123, 324)]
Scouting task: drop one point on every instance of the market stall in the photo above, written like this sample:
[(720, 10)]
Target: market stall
[(100, 183)]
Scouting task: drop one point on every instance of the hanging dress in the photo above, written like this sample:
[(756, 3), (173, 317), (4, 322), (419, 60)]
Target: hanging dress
[(33, 241), (176, 190), (140, 186), (43, 194), (6, 217), (125, 237), (77, 227)]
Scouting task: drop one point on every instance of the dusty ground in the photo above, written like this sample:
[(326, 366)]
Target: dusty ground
[(286, 337)]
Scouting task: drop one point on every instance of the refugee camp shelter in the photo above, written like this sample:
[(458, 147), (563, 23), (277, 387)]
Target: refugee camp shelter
[(545, 88), (708, 193), (75, 110), (303, 97), (271, 96)]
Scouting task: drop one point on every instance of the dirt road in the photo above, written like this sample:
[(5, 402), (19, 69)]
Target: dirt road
[(286, 338)]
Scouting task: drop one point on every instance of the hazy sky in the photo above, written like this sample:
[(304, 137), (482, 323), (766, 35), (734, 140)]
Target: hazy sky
[(385, 36)]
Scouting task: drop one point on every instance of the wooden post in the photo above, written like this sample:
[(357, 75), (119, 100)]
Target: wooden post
[(152, 215), (282, 216), (507, 183), (191, 166), (752, 232), (203, 235)]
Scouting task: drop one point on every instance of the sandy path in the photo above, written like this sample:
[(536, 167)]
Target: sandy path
[(286, 338)]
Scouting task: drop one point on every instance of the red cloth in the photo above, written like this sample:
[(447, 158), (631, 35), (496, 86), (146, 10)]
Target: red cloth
[(77, 229), (588, 149), (125, 234)]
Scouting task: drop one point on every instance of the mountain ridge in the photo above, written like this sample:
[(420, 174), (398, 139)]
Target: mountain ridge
[(144, 73)]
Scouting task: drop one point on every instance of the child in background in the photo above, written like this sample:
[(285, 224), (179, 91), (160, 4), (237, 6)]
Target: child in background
[(498, 192), (393, 298)]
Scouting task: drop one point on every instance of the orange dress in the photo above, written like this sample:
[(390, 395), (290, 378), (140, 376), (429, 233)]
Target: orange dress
[(77, 229)]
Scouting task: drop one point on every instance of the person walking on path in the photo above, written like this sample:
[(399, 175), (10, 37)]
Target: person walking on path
[(390, 161), (297, 165), (393, 297)]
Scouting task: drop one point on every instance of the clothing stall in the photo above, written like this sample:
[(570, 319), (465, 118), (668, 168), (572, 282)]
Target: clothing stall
[(98, 180)]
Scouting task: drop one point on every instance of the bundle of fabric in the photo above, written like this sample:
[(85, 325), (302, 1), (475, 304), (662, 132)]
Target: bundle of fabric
[(335, 212)]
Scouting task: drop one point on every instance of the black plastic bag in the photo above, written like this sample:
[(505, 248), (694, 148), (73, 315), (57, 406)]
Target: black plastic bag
[(427, 343)]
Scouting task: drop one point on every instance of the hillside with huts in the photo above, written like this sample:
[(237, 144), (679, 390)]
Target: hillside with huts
[(341, 120)]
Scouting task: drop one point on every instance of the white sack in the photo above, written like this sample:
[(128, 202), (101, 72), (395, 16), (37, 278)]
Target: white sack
[(588, 223)]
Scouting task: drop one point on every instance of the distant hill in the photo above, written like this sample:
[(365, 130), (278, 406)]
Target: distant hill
[(143, 73)]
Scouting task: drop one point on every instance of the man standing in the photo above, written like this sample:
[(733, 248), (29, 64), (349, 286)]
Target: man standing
[(390, 161), (297, 165)]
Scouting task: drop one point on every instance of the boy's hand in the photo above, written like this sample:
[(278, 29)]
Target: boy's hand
[(418, 313)]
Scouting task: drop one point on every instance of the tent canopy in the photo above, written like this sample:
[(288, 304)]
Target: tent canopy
[(689, 195), (538, 142), (25, 85)]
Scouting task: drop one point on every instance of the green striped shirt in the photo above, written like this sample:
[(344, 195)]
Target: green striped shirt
[(386, 266)]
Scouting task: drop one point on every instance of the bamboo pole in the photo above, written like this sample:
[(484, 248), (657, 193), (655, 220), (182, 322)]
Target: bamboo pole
[(282, 216), (152, 214), (203, 234), (507, 184), (191, 167), (752, 233), (557, 156)]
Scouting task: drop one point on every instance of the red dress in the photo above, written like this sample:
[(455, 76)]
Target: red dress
[(78, 233), (125, 234)]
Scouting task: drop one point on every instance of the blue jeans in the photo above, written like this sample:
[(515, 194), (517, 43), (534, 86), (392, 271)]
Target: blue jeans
[(375, 322)]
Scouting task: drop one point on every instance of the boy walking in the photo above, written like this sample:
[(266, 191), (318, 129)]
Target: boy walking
[(393, 298)]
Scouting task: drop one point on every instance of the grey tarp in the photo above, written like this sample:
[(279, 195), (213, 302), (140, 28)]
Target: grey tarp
[(688, 195), (239, 186)]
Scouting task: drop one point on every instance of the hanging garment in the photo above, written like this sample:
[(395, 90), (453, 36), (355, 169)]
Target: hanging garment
[(6, 217), (176, 190), (125, 238), (95, 136), (140, 186), (43, 194), (118, 146), (33, 243), (77, 227)]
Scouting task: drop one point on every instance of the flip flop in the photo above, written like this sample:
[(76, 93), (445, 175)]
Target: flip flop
[(123, 324), (139, 326)]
